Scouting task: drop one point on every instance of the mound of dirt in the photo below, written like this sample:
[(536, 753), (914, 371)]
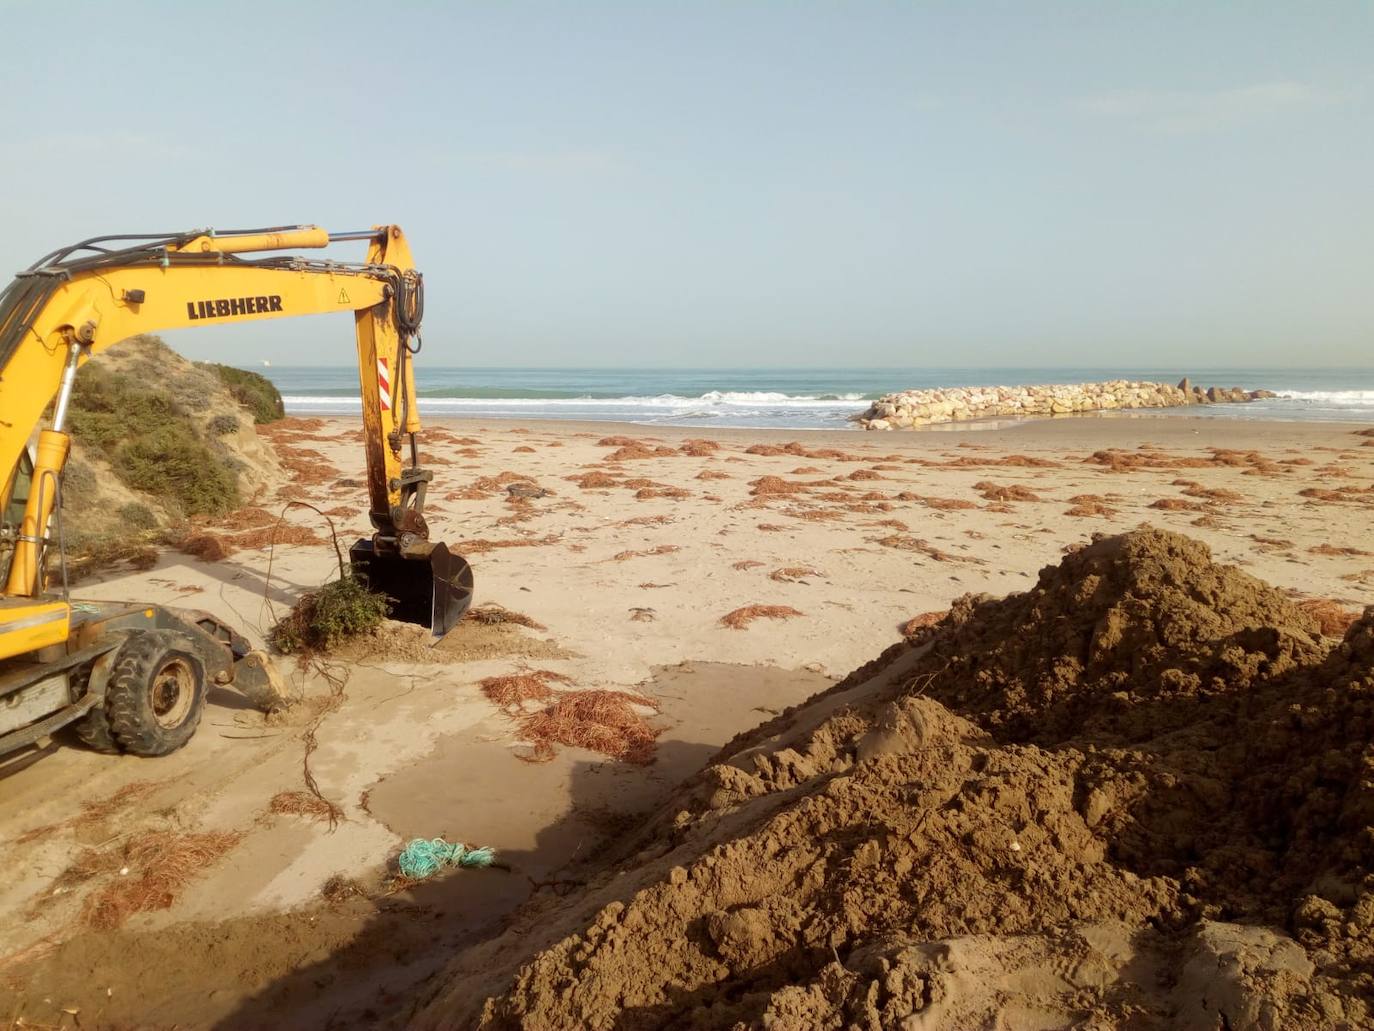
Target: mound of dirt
[(1140, 794), (1117, 643)]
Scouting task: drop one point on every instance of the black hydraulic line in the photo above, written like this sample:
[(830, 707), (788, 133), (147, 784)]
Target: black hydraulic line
[(23, 299), (410, 302), (62, 253), (160, 239)]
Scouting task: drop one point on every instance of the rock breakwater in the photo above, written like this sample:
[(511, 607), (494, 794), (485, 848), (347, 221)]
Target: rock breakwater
[(910, 408)]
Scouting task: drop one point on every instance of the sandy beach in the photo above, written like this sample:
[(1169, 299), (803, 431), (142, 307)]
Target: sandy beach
[(722, 576)]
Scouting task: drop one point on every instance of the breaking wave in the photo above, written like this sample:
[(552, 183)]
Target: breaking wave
[(750, 399), (1352, 398)]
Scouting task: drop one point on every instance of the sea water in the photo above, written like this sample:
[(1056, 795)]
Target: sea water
[(788, 398)]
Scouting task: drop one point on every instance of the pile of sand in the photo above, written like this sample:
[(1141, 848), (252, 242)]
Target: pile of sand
[(1141, 793)]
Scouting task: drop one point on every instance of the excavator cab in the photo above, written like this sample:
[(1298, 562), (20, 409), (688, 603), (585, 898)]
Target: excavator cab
[(13, 498)]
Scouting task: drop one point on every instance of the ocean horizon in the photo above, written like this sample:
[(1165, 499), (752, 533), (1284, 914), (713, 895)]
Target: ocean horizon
[(788, 398)]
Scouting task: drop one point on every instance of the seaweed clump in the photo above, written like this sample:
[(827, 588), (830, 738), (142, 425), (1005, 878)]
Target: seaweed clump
[(324, 619)]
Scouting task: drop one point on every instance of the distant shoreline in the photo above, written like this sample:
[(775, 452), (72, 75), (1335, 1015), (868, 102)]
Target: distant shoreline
[(773, 398), (1098, 429), (1209, 422)]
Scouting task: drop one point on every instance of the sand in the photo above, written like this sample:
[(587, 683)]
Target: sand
[(630, 564)]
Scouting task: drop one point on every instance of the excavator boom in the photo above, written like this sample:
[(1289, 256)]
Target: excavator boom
[(78, 301)]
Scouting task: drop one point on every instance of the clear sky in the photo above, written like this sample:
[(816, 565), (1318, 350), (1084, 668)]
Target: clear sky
[(741, 184)]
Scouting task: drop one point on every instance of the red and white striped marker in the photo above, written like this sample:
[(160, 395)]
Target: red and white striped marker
[(384, 384)]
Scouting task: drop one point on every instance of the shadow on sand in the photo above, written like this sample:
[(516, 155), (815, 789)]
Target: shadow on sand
[(405, 939)]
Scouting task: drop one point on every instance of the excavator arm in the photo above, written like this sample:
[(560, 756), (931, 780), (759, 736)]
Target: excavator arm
[(79, 301)]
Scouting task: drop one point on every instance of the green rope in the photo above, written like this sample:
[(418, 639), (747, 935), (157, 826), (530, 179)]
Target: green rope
[(421, 858)]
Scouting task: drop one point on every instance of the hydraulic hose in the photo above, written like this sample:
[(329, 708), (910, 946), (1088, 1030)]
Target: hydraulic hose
[(24, 298)]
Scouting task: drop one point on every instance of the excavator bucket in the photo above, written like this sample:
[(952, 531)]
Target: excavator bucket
[(433, 592)]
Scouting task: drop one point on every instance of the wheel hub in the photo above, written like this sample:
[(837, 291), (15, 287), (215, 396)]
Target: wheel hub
[(171, 692)]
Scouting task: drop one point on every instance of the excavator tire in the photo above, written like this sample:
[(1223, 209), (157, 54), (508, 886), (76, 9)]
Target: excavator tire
[(92, 729), (156, 693)]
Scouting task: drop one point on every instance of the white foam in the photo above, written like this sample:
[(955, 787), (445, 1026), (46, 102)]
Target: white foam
[(714, 398), (1353, 398)]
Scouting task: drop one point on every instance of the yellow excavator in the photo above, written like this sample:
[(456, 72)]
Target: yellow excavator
[(132, 677)]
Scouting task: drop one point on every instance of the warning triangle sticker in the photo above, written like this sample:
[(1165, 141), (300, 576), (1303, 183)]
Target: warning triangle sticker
[(343, 297)]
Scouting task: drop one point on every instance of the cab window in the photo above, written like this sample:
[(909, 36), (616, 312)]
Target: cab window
[(19, 494)]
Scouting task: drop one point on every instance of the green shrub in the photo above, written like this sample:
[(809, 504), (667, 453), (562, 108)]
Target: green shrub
[(109, 408), (150, 441), (78, 482), (167, 463), (87, 555), (326, 618), (223, 425), (137, 516), (254, 391)]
